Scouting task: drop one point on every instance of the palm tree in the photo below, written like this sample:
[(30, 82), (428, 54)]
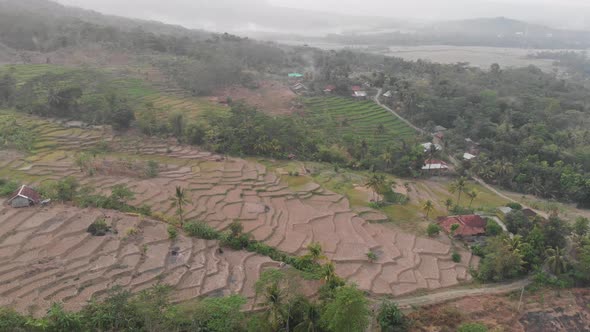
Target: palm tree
[(514, 244), (329, 272), (458, 187), (179, 200), (472, 194), (503, 168), (448, 204), (311, 319), (315, 251), (388, 158), (556, 260), (428, 207), (375, 183), (274, 305)]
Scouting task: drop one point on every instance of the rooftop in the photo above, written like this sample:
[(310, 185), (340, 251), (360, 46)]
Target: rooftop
[(469, 225)]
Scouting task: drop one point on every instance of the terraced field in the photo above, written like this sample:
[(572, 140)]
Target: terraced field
[(226, 189), (356, 118), (47, 256), (140, 86)]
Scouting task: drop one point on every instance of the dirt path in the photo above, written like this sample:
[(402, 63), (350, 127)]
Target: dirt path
[(444, 296), (453, 160), (376, 99)]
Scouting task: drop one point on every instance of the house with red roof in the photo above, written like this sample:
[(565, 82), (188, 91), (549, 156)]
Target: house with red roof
[(329, 88), (25, 196), (470, 226)]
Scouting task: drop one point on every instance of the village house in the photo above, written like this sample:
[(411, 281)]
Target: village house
[(468, 156), (329, 88), (470, 226), (24, 197), (435, 165), (428, 146), (358, 92)]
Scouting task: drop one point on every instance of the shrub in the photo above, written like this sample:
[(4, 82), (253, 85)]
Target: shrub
[(372, 256), (433, 229), (131, 232), (238, 242), (472, 327), (99, 227), (456, 257), (514, 206), (477, 250), (492, 228), (152, 169), (459, 210), (7, 187), (391, 318), (172, 232), (201, 230)]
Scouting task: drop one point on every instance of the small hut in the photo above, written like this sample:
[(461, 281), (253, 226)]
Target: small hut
[(24, 197)]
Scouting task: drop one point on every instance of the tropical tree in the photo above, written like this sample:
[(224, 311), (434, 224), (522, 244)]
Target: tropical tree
[(315, 251), (428, 207), (376, 183), (349, 311), (458, 186), (448, 204), (472, 194), (329, 272), (391, 318), (274, 304), (311, 321), (179, 200), (556, 260)]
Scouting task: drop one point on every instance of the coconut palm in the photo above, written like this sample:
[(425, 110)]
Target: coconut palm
[(311, 319), (514, 244), (273, 302), (329, 272), (315, 251), (375, 183), (179, 200), (458, 187), (472, 194), (556, 260), (428, 207), (448, 204)]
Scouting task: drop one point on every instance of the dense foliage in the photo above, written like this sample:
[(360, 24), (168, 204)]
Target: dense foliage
[(530, 127)]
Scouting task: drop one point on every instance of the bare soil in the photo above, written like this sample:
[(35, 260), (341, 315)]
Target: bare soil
[(221, 190), (271, 97), (46, 256), (542, 311)]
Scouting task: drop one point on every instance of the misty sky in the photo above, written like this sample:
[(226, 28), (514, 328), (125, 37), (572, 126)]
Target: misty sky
[(201, 13)]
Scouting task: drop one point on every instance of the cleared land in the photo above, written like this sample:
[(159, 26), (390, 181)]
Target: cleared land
[(47, 256), (270, 97), (229, 189), (543, 310)]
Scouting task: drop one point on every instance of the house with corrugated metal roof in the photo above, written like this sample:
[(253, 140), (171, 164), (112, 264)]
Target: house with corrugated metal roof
[(24, 197)]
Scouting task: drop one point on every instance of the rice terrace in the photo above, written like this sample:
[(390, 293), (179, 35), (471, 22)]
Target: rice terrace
[(160, 178)]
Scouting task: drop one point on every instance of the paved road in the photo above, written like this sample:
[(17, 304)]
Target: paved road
[(453, 294)]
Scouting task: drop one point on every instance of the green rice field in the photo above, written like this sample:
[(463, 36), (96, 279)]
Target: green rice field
[(346, 117)]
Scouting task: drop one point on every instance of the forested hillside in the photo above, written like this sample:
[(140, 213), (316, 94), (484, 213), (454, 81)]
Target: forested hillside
[(531, 127)]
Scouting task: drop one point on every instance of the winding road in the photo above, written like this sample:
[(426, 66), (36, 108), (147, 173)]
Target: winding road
[(452, 294), (376, 99)]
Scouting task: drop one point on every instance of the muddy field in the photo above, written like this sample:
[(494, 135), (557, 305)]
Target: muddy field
[(227, 189)]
